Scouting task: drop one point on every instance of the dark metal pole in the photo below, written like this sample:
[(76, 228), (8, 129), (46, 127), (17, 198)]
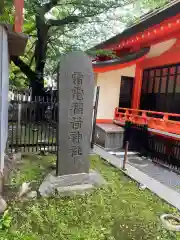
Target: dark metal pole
[(125, 155), (94, 117), (18, 126)]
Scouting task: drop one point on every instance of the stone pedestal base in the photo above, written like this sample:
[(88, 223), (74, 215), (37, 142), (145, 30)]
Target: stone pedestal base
[(69, 185)]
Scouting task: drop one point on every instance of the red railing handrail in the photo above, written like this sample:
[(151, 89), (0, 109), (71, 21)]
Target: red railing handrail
[(147, 111), (163, 123)]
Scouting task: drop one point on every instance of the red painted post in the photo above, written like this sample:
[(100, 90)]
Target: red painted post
[(137, 88), (19, 18)]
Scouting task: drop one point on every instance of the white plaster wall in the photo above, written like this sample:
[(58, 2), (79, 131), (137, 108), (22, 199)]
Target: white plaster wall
[(109, 83), (160, 48), (4, 87)]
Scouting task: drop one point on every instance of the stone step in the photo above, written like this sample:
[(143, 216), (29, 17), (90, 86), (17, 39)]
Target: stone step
[(75, 190), (109, 136)]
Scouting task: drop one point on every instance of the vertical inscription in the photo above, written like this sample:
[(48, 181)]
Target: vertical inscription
[(76, 113), (75, 91)]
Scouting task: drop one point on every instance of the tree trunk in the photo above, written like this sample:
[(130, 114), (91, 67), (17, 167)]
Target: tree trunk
[(36, 79), (40, 57)]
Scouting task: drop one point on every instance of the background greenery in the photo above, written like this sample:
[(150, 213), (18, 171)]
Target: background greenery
[(55, 27)]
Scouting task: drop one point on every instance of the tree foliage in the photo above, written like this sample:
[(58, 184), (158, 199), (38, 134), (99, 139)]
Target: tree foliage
[(56, 27)]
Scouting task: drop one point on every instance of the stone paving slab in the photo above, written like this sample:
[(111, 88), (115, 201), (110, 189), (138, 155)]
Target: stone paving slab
[(157, 186), (161, 174)]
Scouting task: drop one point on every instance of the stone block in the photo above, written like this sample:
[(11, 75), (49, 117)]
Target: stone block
[(52, 183), (109, 136), (75, 190)]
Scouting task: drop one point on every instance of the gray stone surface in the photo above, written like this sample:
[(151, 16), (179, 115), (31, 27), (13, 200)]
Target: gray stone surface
[(109, 136), (110, 128), (75, 190), (161, 174), (31, 195), (24, 189), (3, 205), (70, 184), (17, 156), (76, 93), (157, 172), (156, 178)]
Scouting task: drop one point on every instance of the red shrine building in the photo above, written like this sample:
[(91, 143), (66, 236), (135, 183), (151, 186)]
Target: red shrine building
[(142, 84)]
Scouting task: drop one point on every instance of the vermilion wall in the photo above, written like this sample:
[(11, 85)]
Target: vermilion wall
[(172, 56)]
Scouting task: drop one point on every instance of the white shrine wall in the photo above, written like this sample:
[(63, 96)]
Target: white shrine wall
[(109, 83)]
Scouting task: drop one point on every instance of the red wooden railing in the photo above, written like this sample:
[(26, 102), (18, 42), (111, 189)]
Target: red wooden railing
[(155, 120)]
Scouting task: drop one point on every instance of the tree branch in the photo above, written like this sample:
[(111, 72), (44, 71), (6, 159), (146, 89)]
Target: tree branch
[(32, 60), (48, 6), (61, 22), (72, 19), (23, 66)]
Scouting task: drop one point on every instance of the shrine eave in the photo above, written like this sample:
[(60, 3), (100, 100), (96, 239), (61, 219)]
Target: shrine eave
[(162, 22)]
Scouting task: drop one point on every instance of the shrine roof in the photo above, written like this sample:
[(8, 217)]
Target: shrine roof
[(146, 21)]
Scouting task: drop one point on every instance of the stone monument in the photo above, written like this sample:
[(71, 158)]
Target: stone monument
[(76, 94)]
